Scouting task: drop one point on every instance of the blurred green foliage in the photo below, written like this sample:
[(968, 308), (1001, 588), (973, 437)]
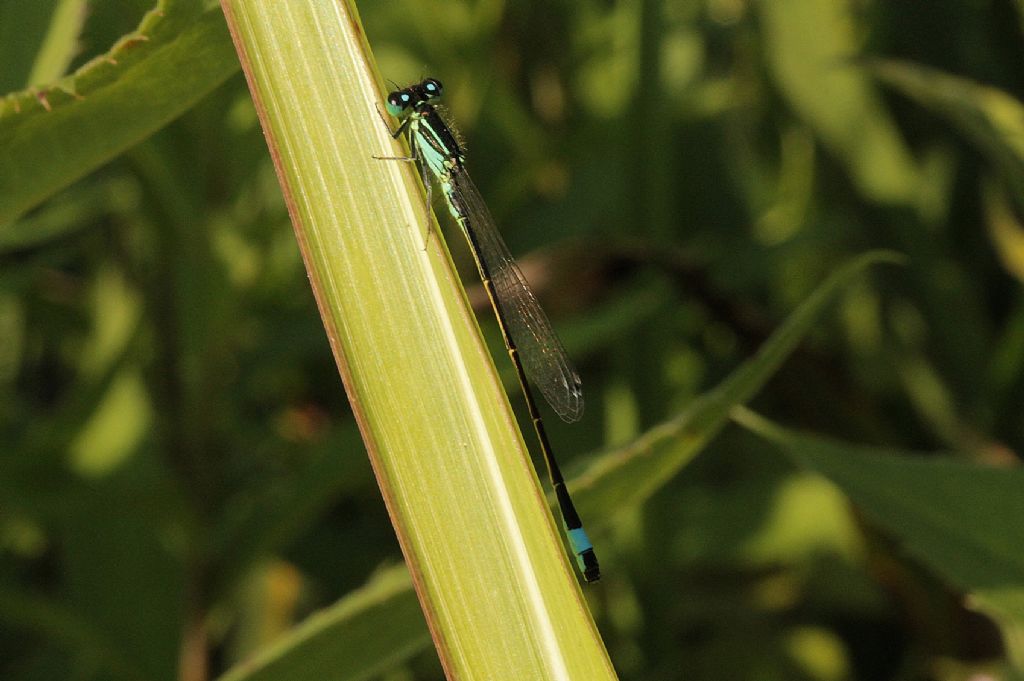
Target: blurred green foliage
[(181, 480)]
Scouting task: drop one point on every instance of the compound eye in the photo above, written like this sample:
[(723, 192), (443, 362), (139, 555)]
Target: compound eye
[(398, 102), (433, 87)]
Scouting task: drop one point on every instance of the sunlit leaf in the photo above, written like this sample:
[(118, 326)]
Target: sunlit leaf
[(959, 519), (1006, 230), (992, 119), (811, 48), (52, 135), (60, 43), (360, 636)]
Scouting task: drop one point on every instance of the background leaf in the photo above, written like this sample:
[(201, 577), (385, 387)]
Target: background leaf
[(956, 518), (968, 539), (357, 638), (22, 31), (178, 53), (993, 119), (825, 86), (182, 479), (61, 44), (630, 475)]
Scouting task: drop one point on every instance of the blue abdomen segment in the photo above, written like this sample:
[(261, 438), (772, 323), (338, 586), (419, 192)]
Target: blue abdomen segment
[(579, 541), (584, 551)]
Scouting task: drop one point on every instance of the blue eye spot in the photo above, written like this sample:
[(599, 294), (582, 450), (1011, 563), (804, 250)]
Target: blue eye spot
[(397, 103), (431, 88)]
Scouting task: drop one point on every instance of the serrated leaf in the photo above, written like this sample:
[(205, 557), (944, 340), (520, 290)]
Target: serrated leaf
[(53, 135)]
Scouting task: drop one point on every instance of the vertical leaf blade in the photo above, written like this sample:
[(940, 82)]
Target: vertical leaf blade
[(485, 556)]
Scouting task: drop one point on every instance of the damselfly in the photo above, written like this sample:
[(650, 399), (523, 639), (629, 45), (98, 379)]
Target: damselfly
[(536, 352)]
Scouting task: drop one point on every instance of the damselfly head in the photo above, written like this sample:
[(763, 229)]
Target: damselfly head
[(399, 101)]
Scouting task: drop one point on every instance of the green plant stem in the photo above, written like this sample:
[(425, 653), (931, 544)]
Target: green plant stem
[(486, 559)]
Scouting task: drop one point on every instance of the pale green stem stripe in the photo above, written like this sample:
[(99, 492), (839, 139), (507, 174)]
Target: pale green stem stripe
[(500, 597), (60, 44)]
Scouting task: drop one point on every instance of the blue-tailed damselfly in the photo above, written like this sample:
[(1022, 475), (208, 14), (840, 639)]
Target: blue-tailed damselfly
[(536, 351)]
